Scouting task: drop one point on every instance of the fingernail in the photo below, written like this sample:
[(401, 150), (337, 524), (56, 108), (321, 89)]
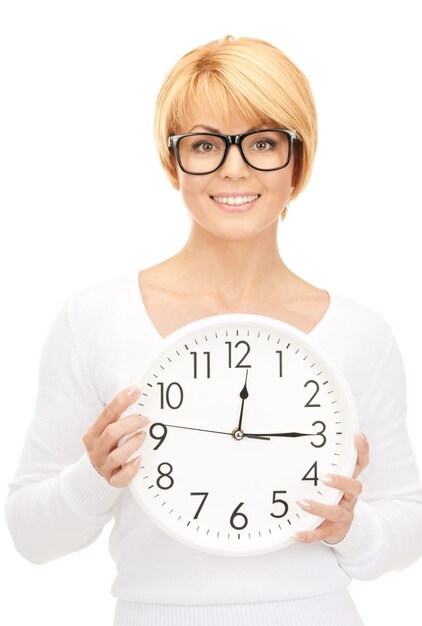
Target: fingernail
[(145, 420), (297, 537), (304, 503), (135, 389), (137, 461), (326, 478), (363, 437)]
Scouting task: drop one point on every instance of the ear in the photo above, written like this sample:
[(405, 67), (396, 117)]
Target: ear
[(297, 160), (175, 184), (295, 172), (173, 175)]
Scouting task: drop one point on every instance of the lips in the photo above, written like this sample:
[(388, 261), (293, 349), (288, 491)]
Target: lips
[(232, 207), (234, 194), (238, 199), (242, 194)]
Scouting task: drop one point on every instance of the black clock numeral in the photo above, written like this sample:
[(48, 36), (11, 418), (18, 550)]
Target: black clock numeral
[(317, 389), (200, 493), (286, 506), (195, 364), (241, 515), (320, 433), (280, 361), (164, 475), (159, 437), (248, 349), (314, 478), (165, 397)]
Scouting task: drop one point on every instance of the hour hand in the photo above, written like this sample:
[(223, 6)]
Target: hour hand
[(266, 435)]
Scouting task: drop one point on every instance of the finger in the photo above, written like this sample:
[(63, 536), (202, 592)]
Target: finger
[(121, 478), (119, 457), (362, 460), (333, 513), (310, 536), (350, 486), (113, 410), (114, 438), (114, 432)]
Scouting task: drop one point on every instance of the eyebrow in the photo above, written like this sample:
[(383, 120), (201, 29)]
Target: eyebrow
[(214, 130)]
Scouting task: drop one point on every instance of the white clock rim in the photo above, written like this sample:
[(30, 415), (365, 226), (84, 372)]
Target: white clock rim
[(242, 318)]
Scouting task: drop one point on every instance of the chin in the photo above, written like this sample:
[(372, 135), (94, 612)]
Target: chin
[(236, 232)]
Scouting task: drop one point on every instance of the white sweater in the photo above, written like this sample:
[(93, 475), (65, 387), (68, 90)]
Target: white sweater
[(58, 503)]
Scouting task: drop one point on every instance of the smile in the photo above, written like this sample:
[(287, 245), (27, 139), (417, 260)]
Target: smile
[(235, 200)]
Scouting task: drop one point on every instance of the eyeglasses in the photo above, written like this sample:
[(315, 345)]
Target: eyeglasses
[(202, 153)]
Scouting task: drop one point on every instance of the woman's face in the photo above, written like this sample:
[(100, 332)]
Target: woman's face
[(234, 176)]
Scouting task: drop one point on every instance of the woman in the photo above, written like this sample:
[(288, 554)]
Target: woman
[(72, 476)]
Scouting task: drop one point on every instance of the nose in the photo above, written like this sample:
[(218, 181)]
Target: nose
[(234, 165)]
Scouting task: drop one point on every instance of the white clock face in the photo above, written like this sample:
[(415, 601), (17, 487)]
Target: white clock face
[(246, 414)]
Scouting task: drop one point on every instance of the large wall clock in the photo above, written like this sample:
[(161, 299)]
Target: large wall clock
[(247, 412)]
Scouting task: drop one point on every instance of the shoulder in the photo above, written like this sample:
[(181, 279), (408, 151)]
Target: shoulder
[(359, 323), (359, 338), (99, 296), (109, 288), (97, 305)]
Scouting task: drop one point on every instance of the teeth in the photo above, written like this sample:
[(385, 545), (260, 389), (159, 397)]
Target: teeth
[(237, 200)]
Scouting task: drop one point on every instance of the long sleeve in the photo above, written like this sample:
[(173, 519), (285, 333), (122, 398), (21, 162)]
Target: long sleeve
[(386, 532), (57, 503)]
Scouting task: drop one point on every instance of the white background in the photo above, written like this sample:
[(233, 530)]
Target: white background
[(84, 199)]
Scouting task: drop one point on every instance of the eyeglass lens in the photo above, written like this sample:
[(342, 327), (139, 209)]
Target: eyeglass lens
[(262, 149)]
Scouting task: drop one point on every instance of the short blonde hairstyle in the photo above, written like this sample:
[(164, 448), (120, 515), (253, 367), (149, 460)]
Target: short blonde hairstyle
[(244, 78)]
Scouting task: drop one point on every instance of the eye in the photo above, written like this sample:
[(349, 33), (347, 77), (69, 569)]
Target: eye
[(203, 146), (262, 142)]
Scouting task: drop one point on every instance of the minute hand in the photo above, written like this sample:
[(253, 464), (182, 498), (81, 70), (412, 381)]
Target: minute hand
[(293, 434)]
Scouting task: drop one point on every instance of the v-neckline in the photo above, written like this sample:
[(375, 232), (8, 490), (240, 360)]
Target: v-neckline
[(144, 313)]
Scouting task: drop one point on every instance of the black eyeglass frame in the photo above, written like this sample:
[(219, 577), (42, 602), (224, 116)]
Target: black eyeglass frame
[(173, 142)]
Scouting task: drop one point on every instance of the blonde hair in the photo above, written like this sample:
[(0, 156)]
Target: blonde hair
[(246, 78)]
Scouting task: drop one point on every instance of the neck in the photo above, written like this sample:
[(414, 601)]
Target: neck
[(232, 271)]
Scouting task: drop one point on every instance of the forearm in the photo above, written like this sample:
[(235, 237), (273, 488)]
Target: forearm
[(53, 517), (384, 536)]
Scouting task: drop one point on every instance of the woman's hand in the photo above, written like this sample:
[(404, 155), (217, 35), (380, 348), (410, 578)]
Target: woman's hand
[(338, 518), (102, 437)]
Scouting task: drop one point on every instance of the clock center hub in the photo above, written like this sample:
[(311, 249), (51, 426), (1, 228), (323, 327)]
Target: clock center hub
[(237, 434)]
